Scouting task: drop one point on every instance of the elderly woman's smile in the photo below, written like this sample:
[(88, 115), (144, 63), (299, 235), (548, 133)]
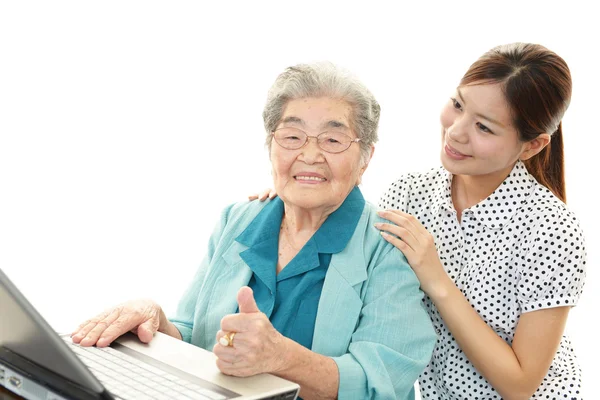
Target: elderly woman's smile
[(312, 176), (309, 177)]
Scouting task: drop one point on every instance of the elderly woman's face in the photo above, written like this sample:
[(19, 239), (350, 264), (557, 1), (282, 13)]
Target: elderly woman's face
[(310, 177)]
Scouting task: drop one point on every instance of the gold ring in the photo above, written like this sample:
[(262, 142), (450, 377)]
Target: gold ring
[(227, 339)]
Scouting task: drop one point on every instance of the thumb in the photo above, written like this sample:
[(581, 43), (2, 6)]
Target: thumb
[(246, 301), (147, 330)]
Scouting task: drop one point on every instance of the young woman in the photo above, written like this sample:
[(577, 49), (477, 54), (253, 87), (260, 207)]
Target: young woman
[(499, 255)]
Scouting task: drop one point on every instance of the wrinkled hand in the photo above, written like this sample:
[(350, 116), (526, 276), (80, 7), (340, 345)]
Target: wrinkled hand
[(257, 346), (267, 193), (142, 317), (417, 245)]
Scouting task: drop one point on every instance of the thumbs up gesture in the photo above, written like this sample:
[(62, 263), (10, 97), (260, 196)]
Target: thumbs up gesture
[(247, 343), (246, 301)]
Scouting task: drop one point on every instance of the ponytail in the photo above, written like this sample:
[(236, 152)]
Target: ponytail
[(548, 166)]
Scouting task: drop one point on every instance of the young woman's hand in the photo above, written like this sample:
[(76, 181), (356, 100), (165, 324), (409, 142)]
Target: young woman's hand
[(418, 246), (266, 194)]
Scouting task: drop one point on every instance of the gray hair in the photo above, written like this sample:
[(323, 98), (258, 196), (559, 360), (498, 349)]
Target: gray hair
[(324, 79)]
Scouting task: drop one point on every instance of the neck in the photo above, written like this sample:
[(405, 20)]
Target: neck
[(299, 221), (468, 190), (297, 227)]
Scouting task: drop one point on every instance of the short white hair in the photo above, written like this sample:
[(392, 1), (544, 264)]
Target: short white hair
[(324, 79)]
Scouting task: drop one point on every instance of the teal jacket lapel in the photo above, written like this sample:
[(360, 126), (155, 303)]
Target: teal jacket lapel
[(223, 299), (340, 303)]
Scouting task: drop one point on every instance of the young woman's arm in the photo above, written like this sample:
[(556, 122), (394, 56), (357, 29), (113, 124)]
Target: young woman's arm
[(515, 372), (516, 369)]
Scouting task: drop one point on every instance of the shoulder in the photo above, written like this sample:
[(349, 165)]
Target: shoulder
[(237, 216), (552, 256), (411, 179), (414, 187), (551, 213), (245, 209), (368, 238), (386, 267), (551, 229)]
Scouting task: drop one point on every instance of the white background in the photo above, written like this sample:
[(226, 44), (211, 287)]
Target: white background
[(127, 126)]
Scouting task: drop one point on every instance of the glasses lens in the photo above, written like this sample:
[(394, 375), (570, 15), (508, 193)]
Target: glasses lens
[(290, 138), (334, 142)]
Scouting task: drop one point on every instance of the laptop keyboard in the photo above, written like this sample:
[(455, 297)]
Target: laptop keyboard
[(129, 378)]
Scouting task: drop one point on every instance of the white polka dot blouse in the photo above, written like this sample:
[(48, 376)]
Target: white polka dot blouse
[(517, 251)]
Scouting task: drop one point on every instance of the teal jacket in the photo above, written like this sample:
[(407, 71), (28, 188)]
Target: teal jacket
[(370, 320)]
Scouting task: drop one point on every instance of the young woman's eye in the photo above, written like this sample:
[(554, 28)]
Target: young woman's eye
[(483, 128), (456, 104)]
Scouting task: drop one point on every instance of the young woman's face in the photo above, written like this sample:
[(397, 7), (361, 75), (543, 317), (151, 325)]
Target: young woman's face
[(478, 137)]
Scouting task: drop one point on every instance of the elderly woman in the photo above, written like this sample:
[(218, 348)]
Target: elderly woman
[(302, 286)]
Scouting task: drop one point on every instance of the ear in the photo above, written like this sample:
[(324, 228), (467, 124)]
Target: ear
[(534, 146), (363, 168)]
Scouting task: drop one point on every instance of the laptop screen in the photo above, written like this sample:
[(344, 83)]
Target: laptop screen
[(25, 332)]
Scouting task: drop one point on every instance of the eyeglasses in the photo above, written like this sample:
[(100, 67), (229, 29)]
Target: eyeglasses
[(329, 141)]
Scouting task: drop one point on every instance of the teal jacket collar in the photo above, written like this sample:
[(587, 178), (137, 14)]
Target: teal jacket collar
[(332, 237), (262, 236)]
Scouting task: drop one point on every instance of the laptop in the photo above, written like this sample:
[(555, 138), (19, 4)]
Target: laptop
[(39, 364)]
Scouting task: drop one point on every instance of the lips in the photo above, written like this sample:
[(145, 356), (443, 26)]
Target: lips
[(453, 153), (311, 177)]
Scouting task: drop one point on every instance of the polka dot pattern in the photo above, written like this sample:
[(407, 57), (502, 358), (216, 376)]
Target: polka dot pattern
[(517, 251)]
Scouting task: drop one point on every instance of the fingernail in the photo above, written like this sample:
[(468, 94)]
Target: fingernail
[(378, 225)]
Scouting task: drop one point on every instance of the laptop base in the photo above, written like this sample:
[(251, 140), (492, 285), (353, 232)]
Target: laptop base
[(32, 381)]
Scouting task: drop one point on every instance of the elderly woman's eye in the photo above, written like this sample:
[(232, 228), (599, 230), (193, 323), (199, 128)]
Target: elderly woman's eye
[(288, 136), (333, 140)]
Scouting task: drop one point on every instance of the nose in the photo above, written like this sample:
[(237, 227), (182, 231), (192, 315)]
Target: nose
[(457, 132), (311, 152)]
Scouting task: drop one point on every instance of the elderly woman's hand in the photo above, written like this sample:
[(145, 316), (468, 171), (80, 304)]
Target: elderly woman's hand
[(256, 346), (142, 317)]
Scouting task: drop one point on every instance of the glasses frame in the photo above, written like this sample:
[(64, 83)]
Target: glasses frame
[(308, 137)]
